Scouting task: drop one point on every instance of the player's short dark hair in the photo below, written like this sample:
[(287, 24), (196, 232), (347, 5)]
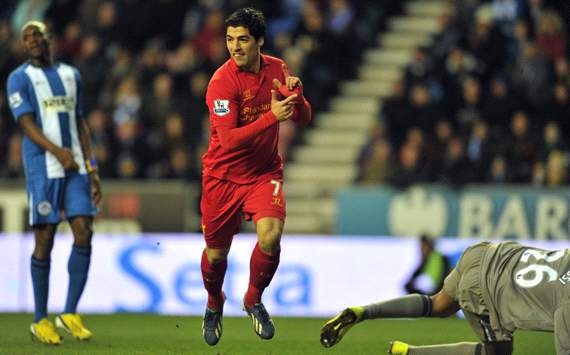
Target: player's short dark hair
[(250, 18)]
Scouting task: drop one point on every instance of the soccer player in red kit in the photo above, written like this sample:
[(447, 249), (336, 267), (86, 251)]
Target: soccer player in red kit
[(243, 172)]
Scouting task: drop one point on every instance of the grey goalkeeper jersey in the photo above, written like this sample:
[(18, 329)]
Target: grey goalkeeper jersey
[(523, 286)]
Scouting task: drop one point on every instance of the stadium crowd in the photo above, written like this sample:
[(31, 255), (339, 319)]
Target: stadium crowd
[(145, 66), (487, 102)]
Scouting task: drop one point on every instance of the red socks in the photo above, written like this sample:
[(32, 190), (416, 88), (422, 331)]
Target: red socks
[(262, 267), (213, 276)]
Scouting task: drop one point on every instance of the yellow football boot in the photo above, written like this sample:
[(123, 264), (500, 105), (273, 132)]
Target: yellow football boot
[(333, 330), (73, 324), (398, 348), (44, 332)]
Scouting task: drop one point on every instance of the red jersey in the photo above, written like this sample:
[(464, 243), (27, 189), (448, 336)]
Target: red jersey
[(243, 130)]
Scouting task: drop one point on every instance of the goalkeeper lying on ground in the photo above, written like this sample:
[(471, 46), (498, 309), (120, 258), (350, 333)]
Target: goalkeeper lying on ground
[(500, 288)]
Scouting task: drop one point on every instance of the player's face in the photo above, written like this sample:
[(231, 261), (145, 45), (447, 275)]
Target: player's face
[(243, 48), (36, 42)]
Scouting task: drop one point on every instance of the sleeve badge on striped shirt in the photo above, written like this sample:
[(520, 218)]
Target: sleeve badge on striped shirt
[(15, 100)]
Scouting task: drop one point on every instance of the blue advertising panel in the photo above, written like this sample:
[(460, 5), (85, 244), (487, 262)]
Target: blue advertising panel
[(473, 212)]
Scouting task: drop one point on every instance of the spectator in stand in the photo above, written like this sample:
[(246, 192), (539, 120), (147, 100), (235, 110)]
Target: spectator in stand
[(340, 17), (378, 168), (520, 149), (470, 108), (130, 149), (458, 65), (466, 10), (532, 77), (499, 105), (93, 67), (417, 138), (340, 23), (562, 71), (112, 45), (436, 151), (108, 28), (60, 14), (491, 41), (552, 141), (197, 109), (218, 55), (395, 113), (127, 167), (420, 141), (538, 174), (164, 140), (505, 14), (486, 42), (212, 30), (160, 102), (556, 169), (69, 46), (180, 167), (536, 9), (447, 38), (409, 170), (498, 173), (102, 141), (313, 37), (479, 150), (151, 62), (14, 167), (559, 109), (127, 100), (550, 36), (456, 170), (515, 44), (423, 111), (419, 70)]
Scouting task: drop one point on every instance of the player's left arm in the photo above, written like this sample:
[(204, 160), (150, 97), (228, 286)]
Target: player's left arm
[(498, 347), (303, 112), (86, 147), (90, 162)]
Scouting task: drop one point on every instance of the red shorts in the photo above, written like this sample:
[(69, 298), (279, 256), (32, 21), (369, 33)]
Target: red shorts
[(223, 203)]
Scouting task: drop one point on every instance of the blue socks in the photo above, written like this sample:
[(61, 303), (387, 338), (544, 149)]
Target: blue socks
[(78, 266), (40, 282)]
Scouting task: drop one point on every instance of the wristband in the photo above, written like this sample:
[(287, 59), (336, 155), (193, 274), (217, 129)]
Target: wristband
[(91, 165)]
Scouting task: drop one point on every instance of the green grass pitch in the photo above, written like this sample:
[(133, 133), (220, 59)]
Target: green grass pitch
[(152, 334)]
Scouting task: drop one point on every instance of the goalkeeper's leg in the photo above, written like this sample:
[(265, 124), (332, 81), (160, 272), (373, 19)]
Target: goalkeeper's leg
[(333, 330), (410, 306), (465, 348)]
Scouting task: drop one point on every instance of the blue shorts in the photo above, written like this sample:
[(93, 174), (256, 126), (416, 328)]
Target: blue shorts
[(51, 199)]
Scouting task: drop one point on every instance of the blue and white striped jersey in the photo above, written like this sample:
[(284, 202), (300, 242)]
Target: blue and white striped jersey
[(52, 95)]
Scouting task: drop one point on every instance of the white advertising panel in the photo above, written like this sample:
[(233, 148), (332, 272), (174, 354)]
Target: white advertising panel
[(317, 276)]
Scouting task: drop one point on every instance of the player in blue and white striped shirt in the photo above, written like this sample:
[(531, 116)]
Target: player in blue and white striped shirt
[(61, 176)]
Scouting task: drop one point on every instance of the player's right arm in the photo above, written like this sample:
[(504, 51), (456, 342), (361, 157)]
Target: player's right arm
[(443, 305), (63, 155), (562, 329), (23, 112), (223, 104)]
